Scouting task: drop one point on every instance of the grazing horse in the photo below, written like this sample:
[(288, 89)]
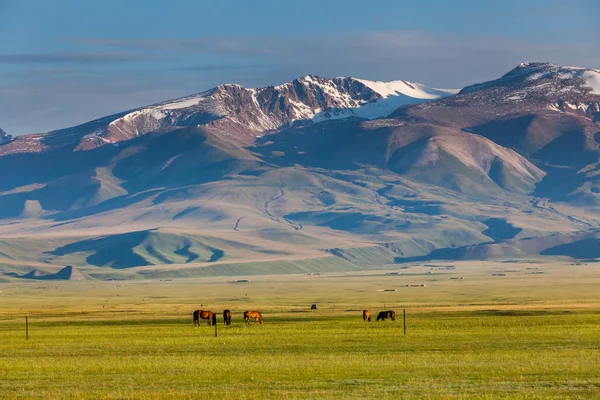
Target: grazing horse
[(383, 315), (210, 316), (366, 316), (227, 317), (253, 314)]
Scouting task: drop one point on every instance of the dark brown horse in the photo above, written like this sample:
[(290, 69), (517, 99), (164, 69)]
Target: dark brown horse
[(383, 315), (366, 316), (227, 317), (253, 314), (210, 316)]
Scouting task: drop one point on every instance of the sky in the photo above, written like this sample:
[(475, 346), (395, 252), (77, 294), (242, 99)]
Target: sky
[(65, 62)]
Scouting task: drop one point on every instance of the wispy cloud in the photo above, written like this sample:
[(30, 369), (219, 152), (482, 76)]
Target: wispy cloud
[(430, 58), (219, 67), (72, 58), (57, 98)]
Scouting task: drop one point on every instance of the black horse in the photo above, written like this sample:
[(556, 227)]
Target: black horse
[(227, 317), (383, 315)]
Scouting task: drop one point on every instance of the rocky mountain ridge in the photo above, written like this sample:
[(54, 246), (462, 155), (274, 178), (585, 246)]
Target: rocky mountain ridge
[(240, 114)]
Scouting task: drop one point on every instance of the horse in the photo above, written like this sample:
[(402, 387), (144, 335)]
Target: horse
[(210, 316), (227, 317), (253, 314), (366, 316), (383, 315)]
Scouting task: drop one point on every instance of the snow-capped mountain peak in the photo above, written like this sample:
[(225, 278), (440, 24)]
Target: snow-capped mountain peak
[(589, 78), (242, 114), (547, 79)]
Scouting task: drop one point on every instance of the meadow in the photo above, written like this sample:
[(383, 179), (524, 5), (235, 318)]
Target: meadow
[(522, 335)]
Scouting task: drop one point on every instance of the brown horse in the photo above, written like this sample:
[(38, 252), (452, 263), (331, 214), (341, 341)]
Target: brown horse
[(210, 316), (366, 316), (253, 314), (383, 315), (227, 317)]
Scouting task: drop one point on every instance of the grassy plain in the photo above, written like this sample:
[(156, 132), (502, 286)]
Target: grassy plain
[(524, 335)]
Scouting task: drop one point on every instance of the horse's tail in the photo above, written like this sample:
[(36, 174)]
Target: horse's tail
[(393, 315), (260, 320), (369, 319)]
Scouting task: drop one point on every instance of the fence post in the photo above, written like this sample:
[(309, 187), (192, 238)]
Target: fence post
[(404, 313), (26, 328)]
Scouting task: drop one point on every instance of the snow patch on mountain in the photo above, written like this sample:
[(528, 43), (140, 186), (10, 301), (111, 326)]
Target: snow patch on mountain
[(414, 90), (393, 94), (183, 103), (592, 80), (589, 78)]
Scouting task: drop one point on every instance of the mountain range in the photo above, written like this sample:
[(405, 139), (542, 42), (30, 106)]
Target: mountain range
[(313, 175)]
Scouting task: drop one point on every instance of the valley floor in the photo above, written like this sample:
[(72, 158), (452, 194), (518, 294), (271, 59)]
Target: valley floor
[(505, 330)]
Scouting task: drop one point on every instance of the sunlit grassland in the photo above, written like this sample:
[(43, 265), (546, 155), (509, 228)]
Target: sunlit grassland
[(518, 336)]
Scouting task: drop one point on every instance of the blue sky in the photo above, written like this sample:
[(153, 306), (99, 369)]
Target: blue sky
[(63, 62)]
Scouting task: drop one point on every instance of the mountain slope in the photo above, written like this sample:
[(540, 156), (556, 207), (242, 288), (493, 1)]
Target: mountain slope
[(547, 113), (104, 177), (423, 152)]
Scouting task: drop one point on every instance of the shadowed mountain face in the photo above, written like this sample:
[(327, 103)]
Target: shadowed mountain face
[(67, 273), (141, 248), (4, 137), (499, 229), (503, 168)]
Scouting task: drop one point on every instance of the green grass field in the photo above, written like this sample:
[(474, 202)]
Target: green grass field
[(504, 338)]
